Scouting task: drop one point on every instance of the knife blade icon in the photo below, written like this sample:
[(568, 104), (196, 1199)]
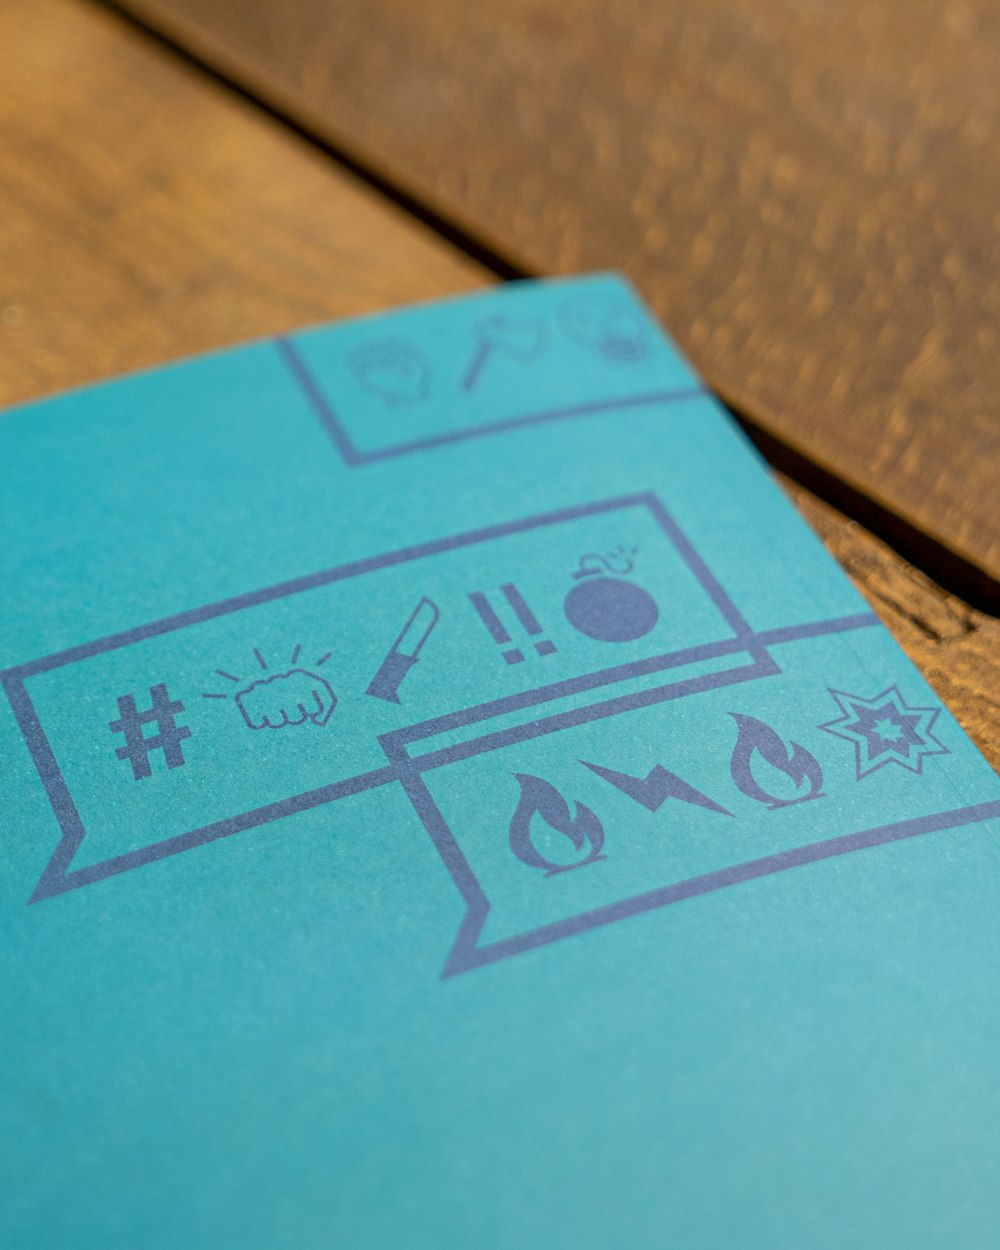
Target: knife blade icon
[(404, 652)]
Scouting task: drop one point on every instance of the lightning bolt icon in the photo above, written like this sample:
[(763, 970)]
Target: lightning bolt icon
[(653, 790)]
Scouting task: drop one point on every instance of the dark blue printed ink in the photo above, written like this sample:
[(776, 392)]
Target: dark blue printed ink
[(765, 770), (404, 652), (653, 790), (606, 325), (293, 697), (553, 826), (541, 804), (497, 631), (285, 699), (603, 605), (501, 724), (568, 361), (393, 370), (885, 730), (517, 339), (168, 737)]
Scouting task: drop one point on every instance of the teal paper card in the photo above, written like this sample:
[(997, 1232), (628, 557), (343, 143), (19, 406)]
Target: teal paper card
[(452, 800)]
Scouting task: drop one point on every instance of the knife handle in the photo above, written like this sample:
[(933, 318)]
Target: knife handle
[(388, 679)]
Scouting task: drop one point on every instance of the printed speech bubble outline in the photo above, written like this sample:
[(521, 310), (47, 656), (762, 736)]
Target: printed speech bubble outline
[(58, 875)]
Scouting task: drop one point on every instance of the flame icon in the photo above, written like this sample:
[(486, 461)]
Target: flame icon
[(775, 763), (582, 829)]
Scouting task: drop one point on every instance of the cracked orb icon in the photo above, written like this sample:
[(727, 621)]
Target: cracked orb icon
[(609, 327), (605, 606)]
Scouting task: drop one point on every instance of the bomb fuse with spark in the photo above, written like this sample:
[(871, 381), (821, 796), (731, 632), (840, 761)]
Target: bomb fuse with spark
[(603, 605)]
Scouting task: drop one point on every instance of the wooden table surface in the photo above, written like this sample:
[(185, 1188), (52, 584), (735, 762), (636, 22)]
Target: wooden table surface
[(806, 193), (151, 211)]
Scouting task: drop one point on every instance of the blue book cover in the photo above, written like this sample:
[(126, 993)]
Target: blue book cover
[(451, 799)]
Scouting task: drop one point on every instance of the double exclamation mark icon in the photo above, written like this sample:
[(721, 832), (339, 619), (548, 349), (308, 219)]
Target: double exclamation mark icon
[(498, 631)]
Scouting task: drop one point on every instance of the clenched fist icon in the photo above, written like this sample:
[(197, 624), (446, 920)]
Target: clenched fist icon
[(290, 698)]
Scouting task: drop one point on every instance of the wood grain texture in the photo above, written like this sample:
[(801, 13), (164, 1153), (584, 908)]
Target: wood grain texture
[(807, 193), (956, 648), (148, 212), (143, 226)]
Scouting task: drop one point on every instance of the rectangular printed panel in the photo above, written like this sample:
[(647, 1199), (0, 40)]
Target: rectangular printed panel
[(527, 353)]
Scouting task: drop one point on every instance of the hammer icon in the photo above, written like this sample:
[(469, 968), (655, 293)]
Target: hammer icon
[(519, 339)]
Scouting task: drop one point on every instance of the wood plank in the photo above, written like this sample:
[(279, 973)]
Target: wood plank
[(956, 648), (149, 212), (807, 194), (95, 115)]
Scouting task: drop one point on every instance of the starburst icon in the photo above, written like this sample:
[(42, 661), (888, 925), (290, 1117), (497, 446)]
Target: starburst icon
[(885, 730)]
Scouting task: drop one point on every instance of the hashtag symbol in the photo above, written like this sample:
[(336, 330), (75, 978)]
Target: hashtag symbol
[(168, 737)]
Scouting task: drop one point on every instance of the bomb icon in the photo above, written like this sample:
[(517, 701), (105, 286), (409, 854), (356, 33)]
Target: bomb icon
[(603, 605)]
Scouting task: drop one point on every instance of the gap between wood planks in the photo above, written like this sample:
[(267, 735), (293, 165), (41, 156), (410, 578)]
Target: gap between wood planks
[(957, 577)]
